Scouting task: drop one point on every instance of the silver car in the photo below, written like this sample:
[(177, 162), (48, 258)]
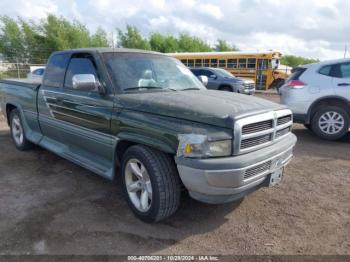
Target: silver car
[(220, 79), (36, 74), (319, 96)]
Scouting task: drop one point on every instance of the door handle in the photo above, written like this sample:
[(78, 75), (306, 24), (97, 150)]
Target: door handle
[(343, 84)]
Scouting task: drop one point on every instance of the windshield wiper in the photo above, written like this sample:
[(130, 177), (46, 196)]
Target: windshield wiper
[(190, 88), (142, 87)]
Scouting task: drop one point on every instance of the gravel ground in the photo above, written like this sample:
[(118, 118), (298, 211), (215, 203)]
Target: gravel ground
[(51, 206)]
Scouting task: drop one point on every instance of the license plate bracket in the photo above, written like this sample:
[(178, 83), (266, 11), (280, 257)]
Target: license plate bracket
[(276, 177)]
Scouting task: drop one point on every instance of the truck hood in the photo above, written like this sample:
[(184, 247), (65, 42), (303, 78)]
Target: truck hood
[(205, 106)]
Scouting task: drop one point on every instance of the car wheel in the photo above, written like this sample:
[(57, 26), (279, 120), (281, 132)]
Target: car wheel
[(150, 183), (226, 88), (307, 126), (330, 122), (17, 131)]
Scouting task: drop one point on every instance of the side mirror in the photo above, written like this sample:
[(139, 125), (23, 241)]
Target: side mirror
[(213, 76), (203, 79), (86, 82)]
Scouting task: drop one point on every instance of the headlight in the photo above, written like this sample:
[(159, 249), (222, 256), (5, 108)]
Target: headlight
[(191, 145)]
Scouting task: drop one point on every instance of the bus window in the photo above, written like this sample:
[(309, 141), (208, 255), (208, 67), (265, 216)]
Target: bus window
[(184, 61), (231, 63), (214, 63), (190, 63), (198, 63), (242, 63), (251, 63), (206, 62), (222, 63)]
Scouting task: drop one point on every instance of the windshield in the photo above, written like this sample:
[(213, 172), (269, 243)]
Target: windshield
[(140, 72), (223, 73)]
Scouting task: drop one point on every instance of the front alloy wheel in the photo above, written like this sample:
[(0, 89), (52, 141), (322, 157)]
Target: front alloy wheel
[(150, 183), (138, 185)]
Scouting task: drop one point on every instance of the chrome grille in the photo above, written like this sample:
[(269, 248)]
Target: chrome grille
[(250, 85), (282, 132), (250, 142), (252, 133), (284, 120), (257, 127), (256, 170)]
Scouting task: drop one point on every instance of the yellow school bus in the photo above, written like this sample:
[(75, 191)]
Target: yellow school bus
[(263, 67)]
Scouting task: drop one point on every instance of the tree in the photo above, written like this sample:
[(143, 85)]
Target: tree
[(99, 39), (11, 39), (189, 43), (294, 61), (132, 39), (222, 46), (164, 44)]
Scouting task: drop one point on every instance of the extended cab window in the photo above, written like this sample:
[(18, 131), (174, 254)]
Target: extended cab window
[(55, 70), (79, 65)]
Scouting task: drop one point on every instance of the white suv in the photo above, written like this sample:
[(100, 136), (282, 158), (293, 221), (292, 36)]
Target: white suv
[(319, 96)]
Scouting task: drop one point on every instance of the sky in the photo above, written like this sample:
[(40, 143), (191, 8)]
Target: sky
[(311, 28)]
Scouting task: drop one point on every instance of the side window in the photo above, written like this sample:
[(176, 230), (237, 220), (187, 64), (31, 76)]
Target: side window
[(214, 63), (196, 72), (55, 70), (79, 66), (326, 70), (242, 63), (251, 63), (345, 70), (222, 63), (198, 63), (231, 63), (206, 73), (190, 62)]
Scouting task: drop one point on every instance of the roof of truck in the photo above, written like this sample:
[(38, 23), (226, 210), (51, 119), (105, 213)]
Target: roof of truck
[(108, 50)]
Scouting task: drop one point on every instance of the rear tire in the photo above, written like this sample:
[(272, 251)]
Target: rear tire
[(330, 122), (17, 131), (150, 183)]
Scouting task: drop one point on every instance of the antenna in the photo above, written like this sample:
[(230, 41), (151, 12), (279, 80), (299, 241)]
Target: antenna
[(346, 47)]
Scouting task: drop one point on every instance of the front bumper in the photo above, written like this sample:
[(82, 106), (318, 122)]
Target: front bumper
[(221, 180)]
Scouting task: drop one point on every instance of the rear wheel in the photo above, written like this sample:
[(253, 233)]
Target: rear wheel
[(330, 122), (150, 183), (17, 131)]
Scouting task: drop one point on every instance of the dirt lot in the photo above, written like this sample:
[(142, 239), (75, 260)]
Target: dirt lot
[(49, 205)]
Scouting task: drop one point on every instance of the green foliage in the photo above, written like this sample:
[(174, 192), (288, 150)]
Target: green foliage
[(26, 41), (223, 46), (11, 38), (30, 42), (132, 39), (293, 61), (189, 43), (163, 44)]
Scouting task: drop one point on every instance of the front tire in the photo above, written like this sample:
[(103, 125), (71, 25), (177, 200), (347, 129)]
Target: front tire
[(226, 88), (330, 122), (17, 131), (150, 183)]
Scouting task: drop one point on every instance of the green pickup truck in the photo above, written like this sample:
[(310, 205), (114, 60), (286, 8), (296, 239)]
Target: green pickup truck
[(146, 117)]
